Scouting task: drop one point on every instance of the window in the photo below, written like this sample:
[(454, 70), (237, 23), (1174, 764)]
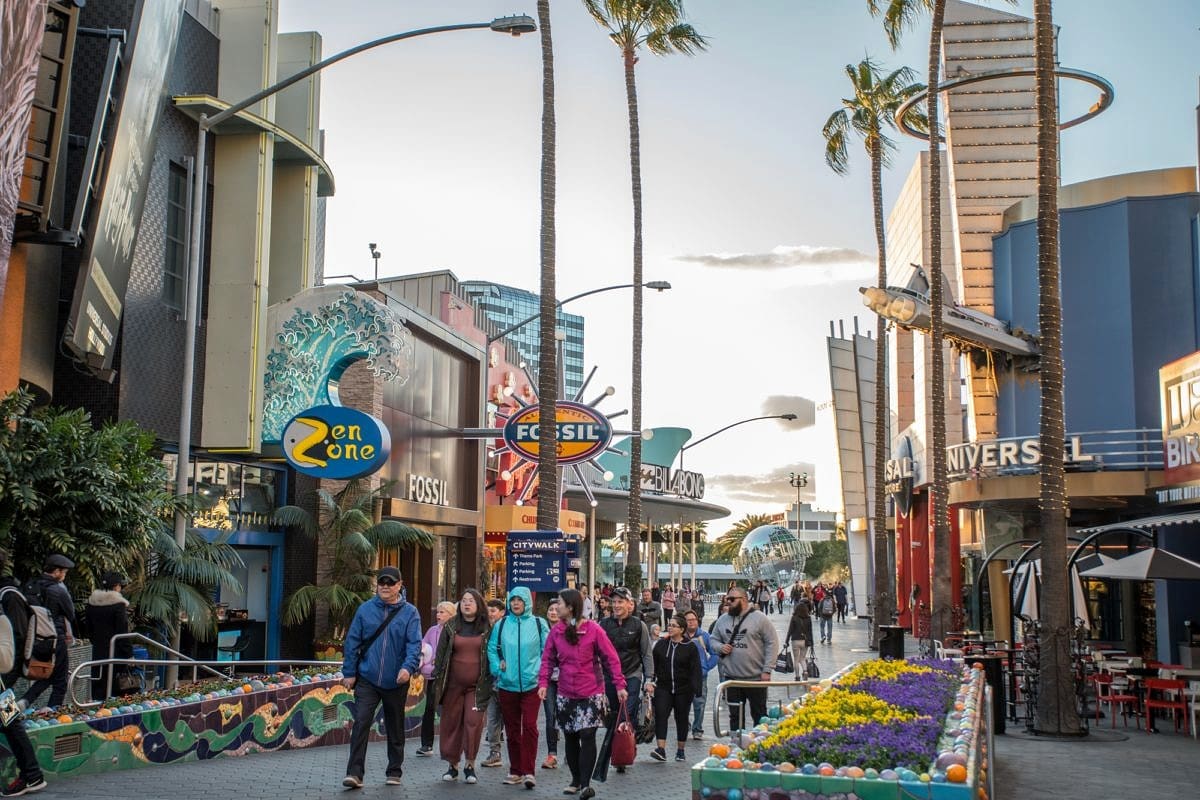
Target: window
[(174, 289)]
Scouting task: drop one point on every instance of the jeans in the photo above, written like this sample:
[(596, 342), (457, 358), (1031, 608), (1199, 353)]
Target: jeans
[(22, 750), (520, 712), (549, 705), (495, 727), (57, 680), (366, 701), (827, 629), (698, 704)]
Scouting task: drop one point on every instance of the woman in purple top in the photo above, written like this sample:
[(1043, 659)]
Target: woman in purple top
[(445, 610), (581, 652)]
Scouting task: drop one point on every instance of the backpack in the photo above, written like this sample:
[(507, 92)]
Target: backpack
[(827, 607), (28, 639), (542, 626)]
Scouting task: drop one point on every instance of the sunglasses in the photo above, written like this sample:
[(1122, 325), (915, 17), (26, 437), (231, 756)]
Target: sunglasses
[(386, 582)]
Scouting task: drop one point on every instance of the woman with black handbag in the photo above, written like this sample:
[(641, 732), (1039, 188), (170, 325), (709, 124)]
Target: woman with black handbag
[(678, 680), (108, 616), (799, 633)]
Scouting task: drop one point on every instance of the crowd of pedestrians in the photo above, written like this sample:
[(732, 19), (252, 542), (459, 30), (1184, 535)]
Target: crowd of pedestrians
[(496, 671)]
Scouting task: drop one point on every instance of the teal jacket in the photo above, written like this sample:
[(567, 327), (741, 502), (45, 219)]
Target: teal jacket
[(516, 644)]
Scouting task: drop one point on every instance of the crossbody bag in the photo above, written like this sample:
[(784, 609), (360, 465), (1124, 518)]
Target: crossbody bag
[(365, 644)]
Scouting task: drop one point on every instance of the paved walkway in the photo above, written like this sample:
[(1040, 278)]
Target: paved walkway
[(1143, 766)]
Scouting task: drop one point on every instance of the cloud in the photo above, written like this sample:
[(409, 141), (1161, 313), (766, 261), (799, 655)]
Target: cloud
[(782, 257), (770, 487), (804, 409)]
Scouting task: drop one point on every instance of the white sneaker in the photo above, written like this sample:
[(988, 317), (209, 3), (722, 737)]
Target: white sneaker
[(351, 782), (392, 780)]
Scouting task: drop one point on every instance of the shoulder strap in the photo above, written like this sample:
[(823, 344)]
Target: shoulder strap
[(365, 645), (543, 629), (500, 636)]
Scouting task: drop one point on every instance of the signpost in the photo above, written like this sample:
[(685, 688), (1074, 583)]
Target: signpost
[(537, 560)]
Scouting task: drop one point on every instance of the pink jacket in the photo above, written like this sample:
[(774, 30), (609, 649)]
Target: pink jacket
[(580, 673), (431, 638)]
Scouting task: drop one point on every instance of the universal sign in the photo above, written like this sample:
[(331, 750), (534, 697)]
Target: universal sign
[(582, 433), (898, 474), (1179, 389), (336, 443), (963, 460)]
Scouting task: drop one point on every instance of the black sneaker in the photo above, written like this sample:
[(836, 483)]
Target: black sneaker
[(425, 750), (658, 754), (451, 774), (680, 756), (19, 787), (587, 793), (469, 775), (620, 770)]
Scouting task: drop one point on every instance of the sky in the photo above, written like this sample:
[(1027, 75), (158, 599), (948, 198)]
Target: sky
[(435, 144)]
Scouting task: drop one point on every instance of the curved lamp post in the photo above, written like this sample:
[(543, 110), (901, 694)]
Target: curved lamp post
[(514, 25)]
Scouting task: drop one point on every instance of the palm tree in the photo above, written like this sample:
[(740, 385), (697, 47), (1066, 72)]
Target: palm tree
[(167, 582), (897, 16), (349, 541), (730, 542), (547, 512), (1056, 709), (869, 114), (658, 26)]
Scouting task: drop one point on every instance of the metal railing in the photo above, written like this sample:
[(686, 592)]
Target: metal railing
[(138, 637), (719, 700), (185, 662)]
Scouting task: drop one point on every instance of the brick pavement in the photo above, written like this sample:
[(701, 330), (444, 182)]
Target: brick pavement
[(1151, 766)]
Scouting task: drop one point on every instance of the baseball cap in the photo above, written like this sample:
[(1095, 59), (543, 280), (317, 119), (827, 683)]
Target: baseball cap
[(111, 579), (389, 572), (623, 593), (59, 561)]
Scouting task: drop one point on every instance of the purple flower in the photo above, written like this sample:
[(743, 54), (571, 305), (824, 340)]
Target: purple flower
[(880, 745)]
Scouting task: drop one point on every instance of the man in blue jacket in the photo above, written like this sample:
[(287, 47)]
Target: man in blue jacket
[(382, 651), (708, 660), (515, 656)]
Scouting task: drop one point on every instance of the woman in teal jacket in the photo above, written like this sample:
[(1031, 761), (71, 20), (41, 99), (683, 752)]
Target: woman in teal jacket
[(515, 655)]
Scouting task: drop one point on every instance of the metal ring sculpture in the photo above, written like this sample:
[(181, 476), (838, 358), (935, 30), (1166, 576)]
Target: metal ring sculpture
[(1107, 94)]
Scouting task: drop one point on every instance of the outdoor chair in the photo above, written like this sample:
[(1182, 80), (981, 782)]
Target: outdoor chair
[(1166, 694), (942, 652), (1193, 693), (235, 650), (1116, 696)]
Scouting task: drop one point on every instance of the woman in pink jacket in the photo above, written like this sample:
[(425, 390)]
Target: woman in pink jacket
[(445, 610), (581, 651)]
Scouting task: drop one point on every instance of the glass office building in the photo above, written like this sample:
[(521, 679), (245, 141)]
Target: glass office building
[(506, 306)]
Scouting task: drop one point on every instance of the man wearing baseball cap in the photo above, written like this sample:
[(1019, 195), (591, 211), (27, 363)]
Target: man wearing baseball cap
[(382, 651), (47, 590)]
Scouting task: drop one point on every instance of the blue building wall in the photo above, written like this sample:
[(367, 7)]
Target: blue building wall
[(1130, 304)]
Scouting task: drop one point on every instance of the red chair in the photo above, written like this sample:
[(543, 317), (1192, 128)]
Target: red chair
[(1166, 694), (1106, 693)]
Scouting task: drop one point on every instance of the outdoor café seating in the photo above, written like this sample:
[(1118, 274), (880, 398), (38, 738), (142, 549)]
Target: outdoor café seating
[(1167, 695), (1116, 695)]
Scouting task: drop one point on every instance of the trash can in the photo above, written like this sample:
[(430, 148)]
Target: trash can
[(993, 671), (891, 641)]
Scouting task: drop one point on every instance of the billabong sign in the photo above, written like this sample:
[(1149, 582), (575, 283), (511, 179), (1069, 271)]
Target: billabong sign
[(582, 433), (336, 443)]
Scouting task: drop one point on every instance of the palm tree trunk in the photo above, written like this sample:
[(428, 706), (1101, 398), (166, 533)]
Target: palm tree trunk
[(1056, 709), (883, 602), (634, 523), (547, 512), (940, 591)]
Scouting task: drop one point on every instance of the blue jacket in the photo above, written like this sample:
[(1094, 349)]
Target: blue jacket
[(708, 656), (516, 644), (397, 648)]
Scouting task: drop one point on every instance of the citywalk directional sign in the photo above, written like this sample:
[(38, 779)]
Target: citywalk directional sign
[(537, 560)]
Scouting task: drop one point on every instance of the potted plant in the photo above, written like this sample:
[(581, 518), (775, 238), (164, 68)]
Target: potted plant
[(349, 540)]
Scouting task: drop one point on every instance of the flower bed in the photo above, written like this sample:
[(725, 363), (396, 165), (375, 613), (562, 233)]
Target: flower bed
[(880, 729)]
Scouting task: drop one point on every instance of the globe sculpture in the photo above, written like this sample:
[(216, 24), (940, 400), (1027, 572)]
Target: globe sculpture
[(772, 553)]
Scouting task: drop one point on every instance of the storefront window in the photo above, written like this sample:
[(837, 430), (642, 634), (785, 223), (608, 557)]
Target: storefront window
[(229, 496)]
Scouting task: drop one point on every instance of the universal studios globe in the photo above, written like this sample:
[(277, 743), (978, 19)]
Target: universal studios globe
[(772, 553)]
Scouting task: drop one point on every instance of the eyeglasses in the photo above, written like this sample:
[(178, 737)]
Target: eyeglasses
[(386, 582), (735, 597)]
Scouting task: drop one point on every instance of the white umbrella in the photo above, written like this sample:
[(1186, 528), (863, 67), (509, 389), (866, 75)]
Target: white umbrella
[(1152, 563), (1029, 579)]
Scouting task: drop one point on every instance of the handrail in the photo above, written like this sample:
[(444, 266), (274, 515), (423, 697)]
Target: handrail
[(167, 662), (748, 684), (112, 653)]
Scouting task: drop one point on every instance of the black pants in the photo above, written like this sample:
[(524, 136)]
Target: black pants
[(22, 750), (581, 755), (758, 705), (549, 705), (57, 680), (665, 703), (366, 702), (427, 719)]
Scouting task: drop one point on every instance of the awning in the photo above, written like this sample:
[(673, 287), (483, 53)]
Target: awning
[(1148, 523)]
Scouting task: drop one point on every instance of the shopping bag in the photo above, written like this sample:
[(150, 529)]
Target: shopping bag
[(812, 671), (645, 731), (784, 662), (624, 745)]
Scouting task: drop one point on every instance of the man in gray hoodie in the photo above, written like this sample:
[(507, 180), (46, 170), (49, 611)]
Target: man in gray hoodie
[(747, 644)]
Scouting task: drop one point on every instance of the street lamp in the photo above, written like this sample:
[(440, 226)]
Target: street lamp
[(788, 417), (375, 254), (514, 25), (659, 286), (799, 482)]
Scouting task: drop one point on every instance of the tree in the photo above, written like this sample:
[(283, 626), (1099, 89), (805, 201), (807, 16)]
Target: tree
[(830, 560), (97, 495), (658, 26), (869, 114), (1056, 709), (547, 511), (349, 542), (730, 542)]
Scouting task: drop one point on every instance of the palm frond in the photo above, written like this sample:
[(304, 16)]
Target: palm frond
[(836, 148), (299, 606), (296, 517), (678, 38), (392, 533)]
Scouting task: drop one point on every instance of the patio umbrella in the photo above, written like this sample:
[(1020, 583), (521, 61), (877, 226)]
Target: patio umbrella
[(1028, 582), (1153, 563)]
